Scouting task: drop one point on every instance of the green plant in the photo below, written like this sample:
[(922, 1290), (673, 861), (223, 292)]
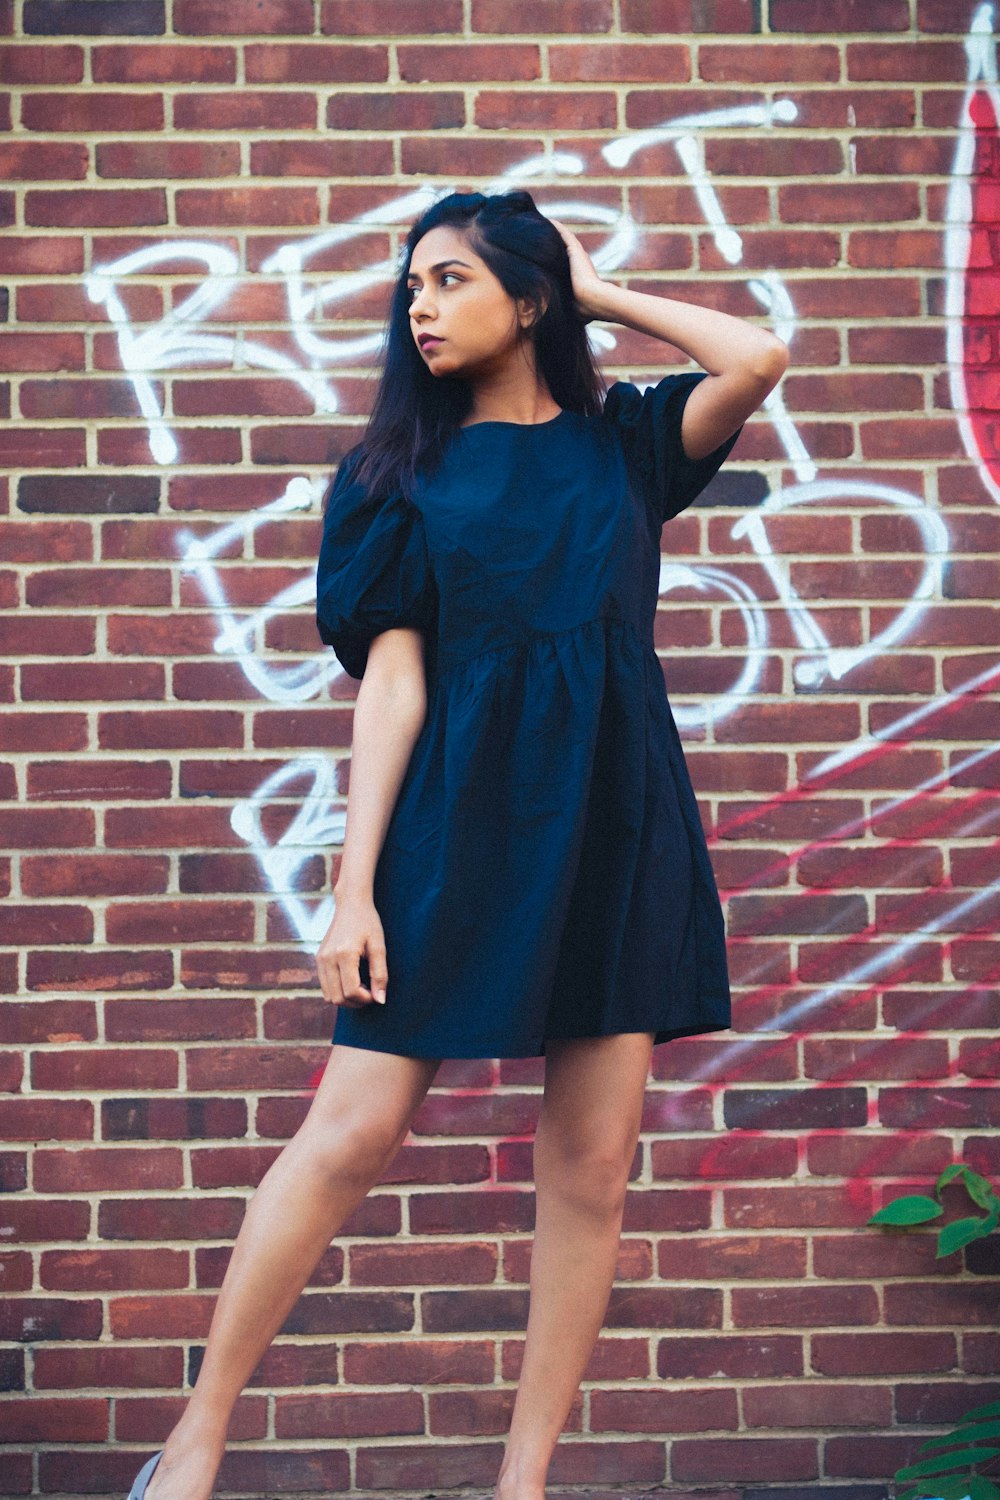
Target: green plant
[(929, 1478), (930, 1474), (906, 1212)]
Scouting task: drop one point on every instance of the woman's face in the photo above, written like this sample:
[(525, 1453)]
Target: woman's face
[(462, 304)]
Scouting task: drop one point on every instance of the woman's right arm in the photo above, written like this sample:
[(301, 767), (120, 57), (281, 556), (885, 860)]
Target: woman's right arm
[(391, 709)]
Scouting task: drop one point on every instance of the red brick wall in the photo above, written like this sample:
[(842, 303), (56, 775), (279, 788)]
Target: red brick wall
[(175, 738)]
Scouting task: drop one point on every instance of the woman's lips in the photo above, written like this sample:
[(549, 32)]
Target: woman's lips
[(430, 343)]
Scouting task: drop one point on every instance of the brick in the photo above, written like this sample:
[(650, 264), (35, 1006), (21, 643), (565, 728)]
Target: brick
[(39, 447), (94, 682), (34, 1319), (49, 1021), (899, 60), (245, 109), (836, 15), (331, 158), (549, 110), (392, 1467), (90, 494), (389, 17), (93, 875), (712, 1459), (473, 62), (89, 109), (76, 587), (34, 731), (351, 1415), (167, 159), (99, 779), (45, 160), (842, 1058), (39, 541), (804, 1307), (914, 1304), (552, 16), (46, 1120), (37, 827), (28, 62), (106, 969), (44, 399), (94, 207), (41, 255), (322, 63), (246, 205), (736, 1356), (42, 351), (82, 1070), (160, 62), (244, 397), (56, 302), (180, 921), (94, 17), (869, 1456), (613, 62), (940, 1108), (215, 17), (389, 109), (175, 729)]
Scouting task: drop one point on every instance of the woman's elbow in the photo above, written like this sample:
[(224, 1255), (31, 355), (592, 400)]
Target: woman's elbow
[(396, 667)]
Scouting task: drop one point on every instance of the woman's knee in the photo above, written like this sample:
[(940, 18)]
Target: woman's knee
[(353, 1146), (594, 1175)]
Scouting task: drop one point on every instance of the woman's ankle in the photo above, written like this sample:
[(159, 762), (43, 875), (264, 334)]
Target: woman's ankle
[(200, 1423)]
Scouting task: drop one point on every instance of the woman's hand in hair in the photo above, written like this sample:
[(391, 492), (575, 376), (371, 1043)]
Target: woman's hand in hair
[(587, 284)]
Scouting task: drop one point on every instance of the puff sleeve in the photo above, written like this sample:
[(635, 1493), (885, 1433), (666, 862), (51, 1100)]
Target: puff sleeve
[(373, 572), (649, 423)]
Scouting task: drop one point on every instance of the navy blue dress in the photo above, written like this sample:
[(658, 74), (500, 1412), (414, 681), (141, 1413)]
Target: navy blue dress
[(545, 872)]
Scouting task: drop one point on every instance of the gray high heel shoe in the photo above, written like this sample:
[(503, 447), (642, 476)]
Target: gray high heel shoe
[(143, 1477)]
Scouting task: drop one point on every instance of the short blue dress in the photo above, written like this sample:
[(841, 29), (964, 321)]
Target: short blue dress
[(544, 872)]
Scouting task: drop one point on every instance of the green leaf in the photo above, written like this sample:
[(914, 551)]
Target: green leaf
[(982, 1488), (962, 1488), (958, 1233), (968, 1432), (991, 1409), (956, 1169), (979, 1190), (946, 1461), (974, 1432), (910, 1210)]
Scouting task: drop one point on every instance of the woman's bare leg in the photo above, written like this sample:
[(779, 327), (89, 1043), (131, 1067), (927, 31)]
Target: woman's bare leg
[(588, 1127), (357, 1121)]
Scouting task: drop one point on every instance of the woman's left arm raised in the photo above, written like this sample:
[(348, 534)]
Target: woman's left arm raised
[(743, 362)]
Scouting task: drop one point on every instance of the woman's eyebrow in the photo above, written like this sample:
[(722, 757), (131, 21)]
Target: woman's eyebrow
[(441, 265)]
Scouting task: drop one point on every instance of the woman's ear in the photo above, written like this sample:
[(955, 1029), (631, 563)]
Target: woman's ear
[(529, 312)]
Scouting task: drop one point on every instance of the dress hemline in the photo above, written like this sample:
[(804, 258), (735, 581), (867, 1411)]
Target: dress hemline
[(661, 1036)]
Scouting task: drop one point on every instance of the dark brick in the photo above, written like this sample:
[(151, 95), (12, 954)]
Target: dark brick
[(94, 18), (89, 494)]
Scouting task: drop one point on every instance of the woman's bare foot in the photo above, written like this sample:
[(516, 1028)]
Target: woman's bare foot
[(192, 1456)]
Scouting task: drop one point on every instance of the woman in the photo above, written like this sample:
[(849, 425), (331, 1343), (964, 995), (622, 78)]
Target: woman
[(520, 815)]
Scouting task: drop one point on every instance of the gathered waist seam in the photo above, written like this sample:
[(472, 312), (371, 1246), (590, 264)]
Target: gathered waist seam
[(541, 635)]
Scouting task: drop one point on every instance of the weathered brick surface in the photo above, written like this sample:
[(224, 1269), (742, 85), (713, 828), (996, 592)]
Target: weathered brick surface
[(173, 170)]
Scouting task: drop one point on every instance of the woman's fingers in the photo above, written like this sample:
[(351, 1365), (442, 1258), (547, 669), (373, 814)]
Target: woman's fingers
[(356, 939), (378, 972)]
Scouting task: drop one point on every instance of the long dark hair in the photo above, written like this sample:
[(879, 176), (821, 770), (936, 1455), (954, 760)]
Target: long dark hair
[(415, 413)]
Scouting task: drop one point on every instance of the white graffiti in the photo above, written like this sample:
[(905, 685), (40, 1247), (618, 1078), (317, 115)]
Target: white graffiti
[(980, 49), (181, 339)]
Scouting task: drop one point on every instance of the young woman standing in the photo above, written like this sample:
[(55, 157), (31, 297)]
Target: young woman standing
[(524, 870)]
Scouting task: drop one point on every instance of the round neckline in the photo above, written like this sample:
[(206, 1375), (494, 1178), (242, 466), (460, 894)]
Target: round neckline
[(490, 422)]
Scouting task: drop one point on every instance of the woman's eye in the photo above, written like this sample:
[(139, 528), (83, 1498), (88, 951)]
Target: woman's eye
[(444, 278)]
